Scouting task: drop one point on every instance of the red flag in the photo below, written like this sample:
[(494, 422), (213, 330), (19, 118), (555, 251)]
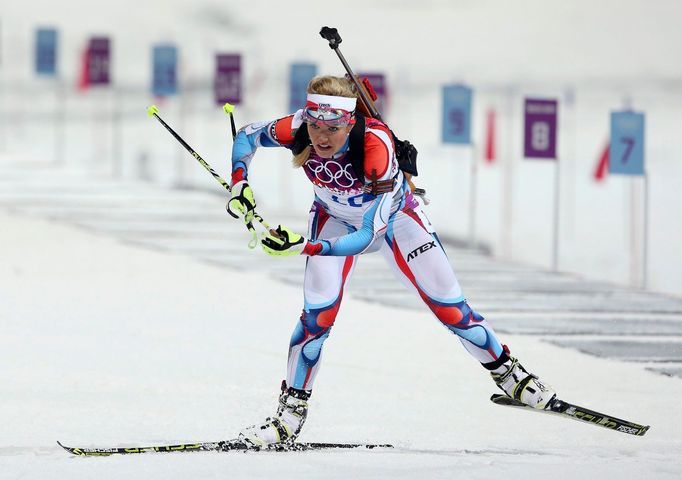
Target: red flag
[(602, 165), (84, 77), (490, 136)]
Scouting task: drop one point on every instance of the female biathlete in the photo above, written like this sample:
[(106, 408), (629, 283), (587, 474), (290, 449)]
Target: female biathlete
[(357, 212)]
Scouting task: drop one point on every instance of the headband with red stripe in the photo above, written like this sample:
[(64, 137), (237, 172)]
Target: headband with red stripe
[(329, 109)]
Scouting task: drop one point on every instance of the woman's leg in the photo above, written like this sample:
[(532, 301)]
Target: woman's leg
[(418, 259), (325, 279)]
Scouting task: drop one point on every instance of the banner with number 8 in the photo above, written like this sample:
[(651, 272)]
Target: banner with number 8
[(540, 128)]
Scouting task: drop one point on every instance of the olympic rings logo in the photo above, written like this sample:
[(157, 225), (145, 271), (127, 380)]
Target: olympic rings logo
[(332, 172)]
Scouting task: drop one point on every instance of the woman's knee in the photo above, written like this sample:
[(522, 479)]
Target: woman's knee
[(457, 315)]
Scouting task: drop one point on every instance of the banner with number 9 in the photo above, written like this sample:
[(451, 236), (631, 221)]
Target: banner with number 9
[(456, 122)]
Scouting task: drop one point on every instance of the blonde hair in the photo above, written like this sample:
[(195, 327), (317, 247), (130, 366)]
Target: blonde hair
[(325, 85)]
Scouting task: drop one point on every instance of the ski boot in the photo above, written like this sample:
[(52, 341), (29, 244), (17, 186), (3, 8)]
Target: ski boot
[(515, 381), (285, 426)]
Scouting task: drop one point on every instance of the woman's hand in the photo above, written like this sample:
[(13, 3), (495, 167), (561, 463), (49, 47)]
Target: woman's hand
[(283, 242), (241, 203)]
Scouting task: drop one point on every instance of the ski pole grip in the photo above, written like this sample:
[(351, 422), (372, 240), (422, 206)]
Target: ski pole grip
[(332, 36), (152, 110)]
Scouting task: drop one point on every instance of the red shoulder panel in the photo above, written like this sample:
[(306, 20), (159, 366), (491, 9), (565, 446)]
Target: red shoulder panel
[(377, 152), (282, 131)]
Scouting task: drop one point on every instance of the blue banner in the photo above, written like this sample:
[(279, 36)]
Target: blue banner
[(299, 76), (46, 51), (457, 114), (165, 78), (626, 156)]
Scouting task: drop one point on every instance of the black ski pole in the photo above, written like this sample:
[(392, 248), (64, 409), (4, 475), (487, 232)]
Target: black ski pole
[(154, 111), (229, 108)]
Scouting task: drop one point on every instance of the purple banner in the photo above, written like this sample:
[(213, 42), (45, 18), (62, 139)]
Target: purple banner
[(378, 82), (540, 128), (227, 85), (99, 55)]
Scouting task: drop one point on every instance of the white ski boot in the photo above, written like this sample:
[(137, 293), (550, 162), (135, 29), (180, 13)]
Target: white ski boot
[(285, 426), (515, 381)]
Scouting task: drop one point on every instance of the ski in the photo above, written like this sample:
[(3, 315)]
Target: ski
[(569, 410), (221, 446)]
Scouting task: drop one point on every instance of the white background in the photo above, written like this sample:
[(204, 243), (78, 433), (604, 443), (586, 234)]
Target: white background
[(593, 57)]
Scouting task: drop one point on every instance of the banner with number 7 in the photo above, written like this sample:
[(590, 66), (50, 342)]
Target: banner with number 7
[(627, 143)]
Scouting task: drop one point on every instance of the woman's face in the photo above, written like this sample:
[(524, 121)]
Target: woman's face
[(326, 139)]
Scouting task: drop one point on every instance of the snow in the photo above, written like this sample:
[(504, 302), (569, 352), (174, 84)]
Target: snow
[(107, 344)]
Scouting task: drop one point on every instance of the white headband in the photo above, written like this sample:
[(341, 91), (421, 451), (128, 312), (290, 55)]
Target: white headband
[(343, 103)]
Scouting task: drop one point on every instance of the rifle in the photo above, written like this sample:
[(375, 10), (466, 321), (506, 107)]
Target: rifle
[(405, 152)]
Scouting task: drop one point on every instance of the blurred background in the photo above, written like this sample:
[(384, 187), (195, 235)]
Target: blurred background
[(567, 213)]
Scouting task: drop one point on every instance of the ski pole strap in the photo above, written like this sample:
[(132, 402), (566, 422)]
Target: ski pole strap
[(249, 226), (254, 235)]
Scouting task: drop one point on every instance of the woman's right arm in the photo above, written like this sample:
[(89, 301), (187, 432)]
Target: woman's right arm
[(276, 133)]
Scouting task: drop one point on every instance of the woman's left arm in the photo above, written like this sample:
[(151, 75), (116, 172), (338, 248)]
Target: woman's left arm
[(374, 224), (379, 158)]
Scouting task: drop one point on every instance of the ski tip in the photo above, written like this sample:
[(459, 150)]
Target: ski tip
[(384, 445), (333, 446), (77, 451), (68, 449)]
